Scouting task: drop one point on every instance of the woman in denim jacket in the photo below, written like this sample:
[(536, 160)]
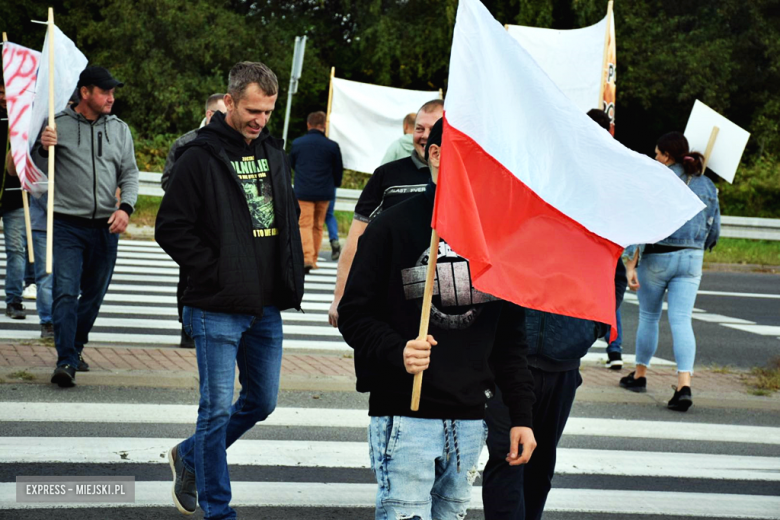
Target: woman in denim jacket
[(674, 264)]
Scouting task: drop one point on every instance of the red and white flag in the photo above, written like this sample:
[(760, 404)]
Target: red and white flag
[(539, 198), (20, 70)]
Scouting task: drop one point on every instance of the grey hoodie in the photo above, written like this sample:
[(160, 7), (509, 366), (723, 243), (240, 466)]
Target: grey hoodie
[(92, 160)]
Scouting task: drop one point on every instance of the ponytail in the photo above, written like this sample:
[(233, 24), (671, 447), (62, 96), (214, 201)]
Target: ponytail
[(676, 146)]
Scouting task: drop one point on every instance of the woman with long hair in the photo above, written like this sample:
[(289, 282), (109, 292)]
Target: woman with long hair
[(673, 266)]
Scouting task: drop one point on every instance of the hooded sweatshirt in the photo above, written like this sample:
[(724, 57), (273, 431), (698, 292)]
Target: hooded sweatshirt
[(92, 160), (481, 340), (230, 219)]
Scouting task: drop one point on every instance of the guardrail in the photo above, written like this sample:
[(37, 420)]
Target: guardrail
[(732, 227)]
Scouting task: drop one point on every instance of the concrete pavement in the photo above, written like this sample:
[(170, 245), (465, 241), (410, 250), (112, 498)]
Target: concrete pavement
[(160, 367)]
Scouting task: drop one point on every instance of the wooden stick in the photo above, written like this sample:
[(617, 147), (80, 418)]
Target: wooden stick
[(441, 93), (330, 101), (710, 146), (604, 63), (25, 202), (430, 277), (52, 124)]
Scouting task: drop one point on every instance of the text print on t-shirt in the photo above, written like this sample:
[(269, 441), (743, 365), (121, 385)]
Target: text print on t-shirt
[(253, 174)]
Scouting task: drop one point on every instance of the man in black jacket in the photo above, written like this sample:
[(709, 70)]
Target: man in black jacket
[(426, 461), (231, 220)]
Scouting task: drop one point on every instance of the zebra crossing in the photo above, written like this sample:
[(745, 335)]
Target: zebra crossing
[(309, 459), (140, 307)]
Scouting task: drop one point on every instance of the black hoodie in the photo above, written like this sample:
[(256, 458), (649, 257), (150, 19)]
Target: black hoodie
[(230, 219), (480, 339)]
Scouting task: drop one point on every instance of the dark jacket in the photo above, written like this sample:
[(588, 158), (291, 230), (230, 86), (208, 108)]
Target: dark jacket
[(481, 340), (171, 160), (318, 168), (557, 343), (204, 224)]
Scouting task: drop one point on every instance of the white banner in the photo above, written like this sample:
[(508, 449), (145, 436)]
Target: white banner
[(20, 68), (68, 63), (365, 119), (574, 58)]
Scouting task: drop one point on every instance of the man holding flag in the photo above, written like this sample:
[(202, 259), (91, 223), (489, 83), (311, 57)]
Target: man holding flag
[(94, 156), (425, 461)]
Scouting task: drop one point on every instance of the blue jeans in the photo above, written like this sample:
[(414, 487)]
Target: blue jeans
[(679, 273), (331, 223), (15, 254), (424, 467), (221, 341), (520, 492), (43, 280), (617, 345), (84, 259)]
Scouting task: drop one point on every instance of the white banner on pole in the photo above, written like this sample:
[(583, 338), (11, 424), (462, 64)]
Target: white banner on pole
[(20, 68), (365, 119), (69, 63), (572, 58), (729, 144)]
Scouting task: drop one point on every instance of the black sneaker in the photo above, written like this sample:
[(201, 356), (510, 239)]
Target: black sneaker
[(307, 269), (83, 366), (15, 311), (47, 331), (615, 360), (64, 376), (681, 400), (185, 492), (335, 248), (635, 385), (186, 340)]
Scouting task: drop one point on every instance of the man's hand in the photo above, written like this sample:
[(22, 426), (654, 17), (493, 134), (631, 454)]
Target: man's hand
[(520, 436), (118, 221), (633, 278), (48, 137), (417, 354), (333, 312)]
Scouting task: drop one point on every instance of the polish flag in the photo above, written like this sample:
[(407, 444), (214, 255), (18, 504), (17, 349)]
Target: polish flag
[(538, 197)]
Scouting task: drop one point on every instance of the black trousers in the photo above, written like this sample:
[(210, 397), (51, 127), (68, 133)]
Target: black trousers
[(520, 492)]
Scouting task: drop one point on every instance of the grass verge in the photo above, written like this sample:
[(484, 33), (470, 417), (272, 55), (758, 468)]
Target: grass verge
[(22, 374), (764, 381), (745, 251)]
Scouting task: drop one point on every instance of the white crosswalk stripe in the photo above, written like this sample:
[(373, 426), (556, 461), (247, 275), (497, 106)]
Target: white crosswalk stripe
[(141, 456)]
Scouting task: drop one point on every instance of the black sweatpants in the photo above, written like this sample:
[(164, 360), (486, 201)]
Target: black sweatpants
[(520, 492)]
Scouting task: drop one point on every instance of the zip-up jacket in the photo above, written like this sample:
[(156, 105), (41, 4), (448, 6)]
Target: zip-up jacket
[(205, 225), (557, 343), (481, 340), (93, 159)]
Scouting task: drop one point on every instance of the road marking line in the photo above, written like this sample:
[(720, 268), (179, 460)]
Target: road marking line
[(318, 454), (135, 413), (763, 330)]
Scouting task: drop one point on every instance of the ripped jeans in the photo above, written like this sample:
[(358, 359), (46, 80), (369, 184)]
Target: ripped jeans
[(425, 468)]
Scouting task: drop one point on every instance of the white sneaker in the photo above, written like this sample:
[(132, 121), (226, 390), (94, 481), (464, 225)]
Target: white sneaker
[(30, 292)]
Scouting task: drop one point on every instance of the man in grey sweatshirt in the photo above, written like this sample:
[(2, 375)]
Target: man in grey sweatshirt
[(94, 157)]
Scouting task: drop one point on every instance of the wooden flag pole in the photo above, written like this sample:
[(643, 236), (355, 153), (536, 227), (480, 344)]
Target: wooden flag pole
[(430, 277), (25, 201), (52, 124), (604, 63), (710, 146), (330, 101), (441, 93)]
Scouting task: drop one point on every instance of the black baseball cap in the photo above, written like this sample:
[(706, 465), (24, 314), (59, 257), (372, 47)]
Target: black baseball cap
[(434, 137), (99, 77)]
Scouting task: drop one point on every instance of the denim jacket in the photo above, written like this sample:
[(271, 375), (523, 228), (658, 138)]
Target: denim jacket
[(703, 230)]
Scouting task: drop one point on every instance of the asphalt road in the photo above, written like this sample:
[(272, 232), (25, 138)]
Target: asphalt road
[(717, 344)]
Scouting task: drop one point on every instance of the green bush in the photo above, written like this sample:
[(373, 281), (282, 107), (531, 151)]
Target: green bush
[(755, 192)]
